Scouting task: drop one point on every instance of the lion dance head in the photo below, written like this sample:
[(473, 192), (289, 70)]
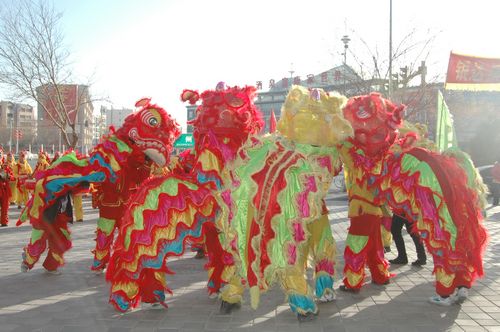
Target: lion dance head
[(313, 116), (152, 130), (226, 114), (375, 121)]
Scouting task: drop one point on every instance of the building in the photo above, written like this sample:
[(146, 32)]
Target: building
[(476, 113), (17, 126), (69, 101), (116, 116)]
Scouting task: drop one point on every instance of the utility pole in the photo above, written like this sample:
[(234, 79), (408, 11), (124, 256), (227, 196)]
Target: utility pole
[(390, 50), (9, 117)]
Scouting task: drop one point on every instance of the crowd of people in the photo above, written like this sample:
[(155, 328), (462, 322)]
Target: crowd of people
[(253, 204)]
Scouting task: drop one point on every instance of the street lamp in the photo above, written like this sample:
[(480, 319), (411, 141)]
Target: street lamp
[(10, 118), (345, 39)]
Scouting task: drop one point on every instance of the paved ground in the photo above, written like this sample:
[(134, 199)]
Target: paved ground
[(77, 299)]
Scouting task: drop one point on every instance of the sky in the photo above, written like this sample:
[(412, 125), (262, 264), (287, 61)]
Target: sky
[(129, 49)]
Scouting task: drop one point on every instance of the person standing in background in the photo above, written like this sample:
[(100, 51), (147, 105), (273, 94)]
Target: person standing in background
[(22, 172)]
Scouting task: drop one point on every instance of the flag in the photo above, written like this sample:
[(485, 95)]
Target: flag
[(473, 73), (272, 122), (445, 131)]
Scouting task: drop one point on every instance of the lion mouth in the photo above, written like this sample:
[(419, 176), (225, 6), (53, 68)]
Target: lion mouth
[(156, 156)]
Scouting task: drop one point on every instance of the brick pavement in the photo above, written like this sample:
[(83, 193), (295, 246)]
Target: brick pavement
[(76, 300)]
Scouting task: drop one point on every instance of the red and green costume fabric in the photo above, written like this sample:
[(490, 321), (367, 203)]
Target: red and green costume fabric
[(437, 192), (116, 163), (52, 234), (170, 212), (364, 244), (279, 219)]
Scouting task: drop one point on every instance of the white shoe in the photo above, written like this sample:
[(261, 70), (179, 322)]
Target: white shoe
[(24, 267), (462, 295), (442, 301), (99, 272), (213, 296), (327, 297), (54, 272)]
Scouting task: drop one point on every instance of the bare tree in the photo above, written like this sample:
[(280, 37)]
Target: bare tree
[(34, 64), (411, 56)]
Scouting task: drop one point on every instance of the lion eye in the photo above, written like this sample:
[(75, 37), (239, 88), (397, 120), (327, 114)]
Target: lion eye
[(153, 122)]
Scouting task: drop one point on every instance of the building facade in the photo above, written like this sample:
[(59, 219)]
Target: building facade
[(72, 101), (476, 113), (17, 126)]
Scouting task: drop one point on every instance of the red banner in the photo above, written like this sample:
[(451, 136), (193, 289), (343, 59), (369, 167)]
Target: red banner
[(463, 69)]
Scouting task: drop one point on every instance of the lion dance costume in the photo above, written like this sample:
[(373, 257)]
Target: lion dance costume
[(438, 192), (147, 134), (278, 217), (169, 212)]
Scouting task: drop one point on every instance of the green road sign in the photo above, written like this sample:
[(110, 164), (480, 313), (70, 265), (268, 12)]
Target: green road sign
[(184, 141)]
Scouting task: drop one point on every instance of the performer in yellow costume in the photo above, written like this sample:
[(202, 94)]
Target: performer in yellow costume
[(22, 171)]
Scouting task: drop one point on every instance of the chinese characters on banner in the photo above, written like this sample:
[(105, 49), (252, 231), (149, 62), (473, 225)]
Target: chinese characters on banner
[(473, 73), (328, 77)]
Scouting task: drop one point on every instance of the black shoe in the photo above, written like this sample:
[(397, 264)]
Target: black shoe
[(419, 262), (398, 260), (387, 249), (19, 206), (226, 307), (307, 317), (3, 225), (346, 289), (199, 254)]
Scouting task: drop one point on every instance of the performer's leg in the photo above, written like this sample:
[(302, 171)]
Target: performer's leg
[(295, 285), (59, 241), (13, 192), (104, 237), (355, 253), (323, 251), (396, 228), (378, 265), (220, 262), (78, 207), (33, 251), (4, 216), (419, 246), (153, 286), (386, 233)]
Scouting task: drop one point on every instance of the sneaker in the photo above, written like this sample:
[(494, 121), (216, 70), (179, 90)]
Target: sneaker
[(213, 296), (442, 301), (79, 220), (306, 317), (327, 297), (346, 289), (462, 295), (24, 267), (54, 272), (200, 254)]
